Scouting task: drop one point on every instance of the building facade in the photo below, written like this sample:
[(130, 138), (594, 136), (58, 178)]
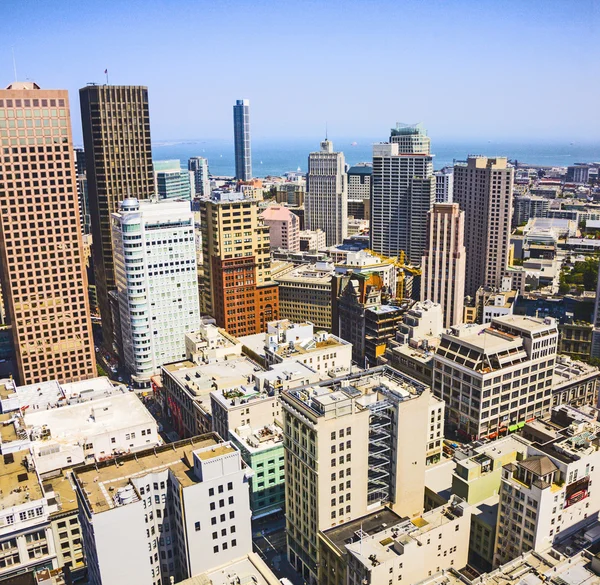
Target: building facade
[(344, 457), (497, 376), (171, 181), (241, 137), (359, 190), (483, 187), (284, 227), (326, 199), (402, 194), (237, 288), (42, 268), (174, 511), (444, 261), (444, 185), (305, 294), (118, 160), (157, 282), (198, 167)]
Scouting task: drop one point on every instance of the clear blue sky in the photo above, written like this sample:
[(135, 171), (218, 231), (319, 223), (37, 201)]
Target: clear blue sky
[(476, 69)]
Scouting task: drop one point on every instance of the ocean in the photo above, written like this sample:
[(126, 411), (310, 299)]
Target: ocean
[(275, 157)]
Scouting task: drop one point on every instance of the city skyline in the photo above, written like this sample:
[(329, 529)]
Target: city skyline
[(457, 42)]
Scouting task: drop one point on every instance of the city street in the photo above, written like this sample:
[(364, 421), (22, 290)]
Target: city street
[(270, 543)]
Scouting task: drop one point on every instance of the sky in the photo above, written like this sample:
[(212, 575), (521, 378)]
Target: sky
[(522, 70)]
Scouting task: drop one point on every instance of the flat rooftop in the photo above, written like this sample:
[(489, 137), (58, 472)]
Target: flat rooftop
[(371, 524), (51, 394), (248, 569), (76, 422), (17, 485), (200, 380), (101, 481)]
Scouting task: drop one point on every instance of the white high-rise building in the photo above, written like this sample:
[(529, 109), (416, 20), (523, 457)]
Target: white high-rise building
[(173, 511), (198, 167), (403, 192), (326, 199), (444, 185), (157, 282)]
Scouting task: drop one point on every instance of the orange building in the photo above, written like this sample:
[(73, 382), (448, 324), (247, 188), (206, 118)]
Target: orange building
[(237, 288), (41, 250)]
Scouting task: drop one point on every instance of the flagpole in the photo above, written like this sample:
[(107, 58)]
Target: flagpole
[(106, 71)]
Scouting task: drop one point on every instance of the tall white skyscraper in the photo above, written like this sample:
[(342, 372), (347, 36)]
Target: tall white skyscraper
[(157, 282), (403, 192), (198, 167), (326, 199), (241, 136), (483, 189)]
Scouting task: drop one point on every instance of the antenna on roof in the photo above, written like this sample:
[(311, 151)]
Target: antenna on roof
[(325, 126), (14, 62)]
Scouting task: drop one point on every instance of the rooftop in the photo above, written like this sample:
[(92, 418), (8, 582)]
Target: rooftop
[(248, 569), (100, 483), (372, 523), (258, 439), (78, 422), (317, 273), (17, 484)]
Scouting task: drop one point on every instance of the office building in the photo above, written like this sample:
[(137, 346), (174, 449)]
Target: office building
[(526, 207), (173, 511), (359, 190), (41, 251), (413, 551), (118, 161), (483, 188), (497, 304), (262, 449), (88, 432), (241, 136), (444, 260), (495, 376), (444, 185), (345, 458), (291, 194), (326, 199), (305, 294), (402, 194), (547, 495), (237, 287), (198, 167), (574, 383), (157, 282), (284, 227), (211, 344), (312, 240), (171, 181), (576, 339), (26, 541), (82, 192), (323, 352), (362, 315)]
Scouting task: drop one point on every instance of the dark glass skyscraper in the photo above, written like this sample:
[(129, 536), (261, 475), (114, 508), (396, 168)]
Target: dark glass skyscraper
[(118, 158), (241, 134)]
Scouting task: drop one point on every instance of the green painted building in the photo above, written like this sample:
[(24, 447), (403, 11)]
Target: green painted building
[(262, 450)]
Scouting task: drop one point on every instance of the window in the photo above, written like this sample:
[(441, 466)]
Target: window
[(230, 485), (197, 526), (215, 549), (211, 492)]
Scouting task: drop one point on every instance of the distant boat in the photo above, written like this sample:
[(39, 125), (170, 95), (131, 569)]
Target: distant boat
[(261, 162), (354, 144), (298, 169)]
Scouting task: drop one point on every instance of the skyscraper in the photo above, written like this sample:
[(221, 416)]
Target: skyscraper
[(596, 331), (198, 166), (444, 260), (483, 189), (403, 192), (41, 251), (444, 185), (241, 135), (118, 155), (237, 287), (326, 199), (172, 182), (157, 282)]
